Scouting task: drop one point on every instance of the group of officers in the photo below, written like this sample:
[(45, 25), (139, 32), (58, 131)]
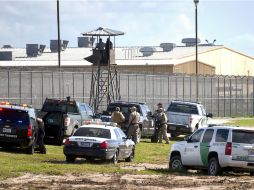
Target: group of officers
[(117, 116), (159, 116)]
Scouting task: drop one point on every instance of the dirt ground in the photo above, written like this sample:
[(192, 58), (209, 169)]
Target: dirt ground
[(190, 181)]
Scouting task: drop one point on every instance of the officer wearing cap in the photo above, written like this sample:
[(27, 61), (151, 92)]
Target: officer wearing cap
[(160, 120), (133, 125), (118, 117), (163, 126)]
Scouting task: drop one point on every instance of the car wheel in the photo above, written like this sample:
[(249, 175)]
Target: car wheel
[(132, 155), (214, 167), (175, 163), (114, 160), (30, 150), (70, 159)]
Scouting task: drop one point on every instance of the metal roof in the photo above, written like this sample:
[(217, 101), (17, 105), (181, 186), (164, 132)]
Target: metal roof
[(103, 32)]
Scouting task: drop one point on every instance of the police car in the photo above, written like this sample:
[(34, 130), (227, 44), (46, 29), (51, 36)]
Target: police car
[(99, 140), (18, 126), (216, 149)]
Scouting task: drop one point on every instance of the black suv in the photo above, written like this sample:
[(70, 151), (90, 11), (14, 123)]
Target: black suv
[(18, 126), (146, 124)]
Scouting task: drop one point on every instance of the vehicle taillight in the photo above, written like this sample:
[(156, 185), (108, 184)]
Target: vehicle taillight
[(30, 130), (191, 119), (228, 148), (104, 145), (67, 121), (67, 142), (1, 109)]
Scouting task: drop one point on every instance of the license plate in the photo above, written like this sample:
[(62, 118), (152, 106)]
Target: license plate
[(85, 144), (6, 130)]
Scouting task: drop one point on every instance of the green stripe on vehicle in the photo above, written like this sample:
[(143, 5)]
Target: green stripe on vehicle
[(204, 150)]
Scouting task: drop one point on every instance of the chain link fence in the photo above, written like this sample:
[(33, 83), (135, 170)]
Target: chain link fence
[(221, 95)]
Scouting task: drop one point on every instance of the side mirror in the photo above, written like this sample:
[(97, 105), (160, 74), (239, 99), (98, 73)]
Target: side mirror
[(124, 138), (187, 138), (209, 115)]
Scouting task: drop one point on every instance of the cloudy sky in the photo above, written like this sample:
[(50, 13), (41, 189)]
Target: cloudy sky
[(145, 22)]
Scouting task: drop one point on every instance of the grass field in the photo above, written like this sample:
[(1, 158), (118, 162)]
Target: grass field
[(243, 122), (15, 162)]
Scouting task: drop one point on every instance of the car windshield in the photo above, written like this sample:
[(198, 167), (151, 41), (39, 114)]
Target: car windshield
[(93, 132), (243, 136), (183, 108), (13, 116), (60, 106), (125, 108)]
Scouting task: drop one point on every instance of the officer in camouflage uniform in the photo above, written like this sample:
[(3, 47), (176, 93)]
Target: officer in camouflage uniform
[(117, 117), (133, 125), (163, 123)]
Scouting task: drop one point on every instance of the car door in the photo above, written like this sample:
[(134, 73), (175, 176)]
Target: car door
[(120, 143), (191, 152), (205, 146)]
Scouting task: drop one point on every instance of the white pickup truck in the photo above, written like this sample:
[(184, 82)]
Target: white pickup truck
[(185, 117)]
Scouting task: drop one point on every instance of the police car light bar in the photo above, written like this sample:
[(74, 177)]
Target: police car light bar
[(99, 122), (9, 104)]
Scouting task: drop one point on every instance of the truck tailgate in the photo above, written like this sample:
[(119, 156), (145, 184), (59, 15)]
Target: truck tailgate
[(178, 118)]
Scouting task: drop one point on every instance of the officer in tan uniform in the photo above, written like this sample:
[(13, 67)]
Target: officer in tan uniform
[(133, 124), (117, 117), (163, 123)]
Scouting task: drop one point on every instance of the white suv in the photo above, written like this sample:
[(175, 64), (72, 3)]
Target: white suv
[(217, 149)]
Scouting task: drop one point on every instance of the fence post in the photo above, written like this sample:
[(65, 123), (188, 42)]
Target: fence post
[(247, 96), (230, 97), (224, 96), (218, 96), (20, 101), (73, 86), (83, 87)]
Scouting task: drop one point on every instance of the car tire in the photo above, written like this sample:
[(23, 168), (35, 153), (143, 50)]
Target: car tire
[(131, 157), (30, 150), (70, 159), (114, 159), (175, 163), (214, 168)]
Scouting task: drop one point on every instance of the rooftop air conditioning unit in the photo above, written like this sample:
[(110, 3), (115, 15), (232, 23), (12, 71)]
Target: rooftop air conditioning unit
[(32, 50), (167, 46), (65, 44), (147, 51), (5, 55), (190, 41), (54, 45)]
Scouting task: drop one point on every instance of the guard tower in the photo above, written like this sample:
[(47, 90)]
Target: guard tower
[(104, 83)]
